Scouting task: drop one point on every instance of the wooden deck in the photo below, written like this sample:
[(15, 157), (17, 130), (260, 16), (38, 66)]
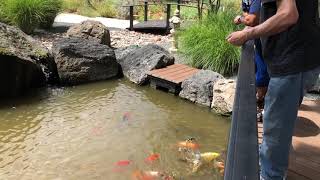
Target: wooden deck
[(305, 156), (171, 77)]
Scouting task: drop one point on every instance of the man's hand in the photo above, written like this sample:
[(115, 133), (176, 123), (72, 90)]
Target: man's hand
[(237, 20), (237, 38)]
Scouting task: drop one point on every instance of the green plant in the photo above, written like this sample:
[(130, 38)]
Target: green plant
[(53, 8), (72, 6), (106, 9), (27, 14), (205, 46)]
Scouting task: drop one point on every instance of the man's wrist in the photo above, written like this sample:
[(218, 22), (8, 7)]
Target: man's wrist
[(249, 31)]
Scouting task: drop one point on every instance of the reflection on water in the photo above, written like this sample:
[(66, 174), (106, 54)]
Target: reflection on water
[(81, 132)]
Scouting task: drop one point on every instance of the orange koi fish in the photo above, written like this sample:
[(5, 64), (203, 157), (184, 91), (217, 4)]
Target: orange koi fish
[(150, 175), (190, 145), (152, 158), (123, 163)]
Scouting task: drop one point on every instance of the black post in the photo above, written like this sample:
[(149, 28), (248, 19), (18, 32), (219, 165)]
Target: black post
[(145, 10), (131, 18), (242, 159), (178, 6), (168, 16)]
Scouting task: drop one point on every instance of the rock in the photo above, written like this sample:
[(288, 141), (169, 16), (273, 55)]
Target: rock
[(124, 51), (81, 61), (137, 63), (223, 96), (24, 63), (198, 88), (91, 30)]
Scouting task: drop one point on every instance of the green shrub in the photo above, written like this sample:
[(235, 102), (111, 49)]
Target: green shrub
[(2, 15), (106, 9), (53, 8), (204, 43), (27, 14), (72, 6)]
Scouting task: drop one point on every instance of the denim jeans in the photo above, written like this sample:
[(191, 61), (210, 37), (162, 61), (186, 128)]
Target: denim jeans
[(281, 108)]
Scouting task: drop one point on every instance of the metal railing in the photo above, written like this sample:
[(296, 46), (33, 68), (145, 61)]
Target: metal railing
[(242, 157)]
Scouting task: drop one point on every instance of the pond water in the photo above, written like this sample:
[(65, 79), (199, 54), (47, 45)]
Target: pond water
[(82, 132)]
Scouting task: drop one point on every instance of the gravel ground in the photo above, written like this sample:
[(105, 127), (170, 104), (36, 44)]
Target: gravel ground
[(119, 38)]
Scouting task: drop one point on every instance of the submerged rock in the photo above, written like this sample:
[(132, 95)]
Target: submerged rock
[(81, 61), (198, 88), (24, 63), (223, 96), (91, 30), (137, 63)]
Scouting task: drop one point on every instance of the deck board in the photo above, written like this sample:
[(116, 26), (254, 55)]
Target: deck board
[(305, 155), (175, 73)]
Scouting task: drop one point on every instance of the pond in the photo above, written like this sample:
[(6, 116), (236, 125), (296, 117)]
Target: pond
[(91, 131)]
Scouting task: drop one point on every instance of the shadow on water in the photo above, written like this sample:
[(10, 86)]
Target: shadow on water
[(33, 96)]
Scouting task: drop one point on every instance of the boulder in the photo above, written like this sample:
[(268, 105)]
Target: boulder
[(124, 51), (24, 63), (198, 88), (91, 30), (81, 61), (137, 63), (223, 96)]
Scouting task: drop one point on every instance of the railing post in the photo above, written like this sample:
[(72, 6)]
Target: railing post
[(146, 10), (242, 157), (168, 16), (131, 18), (178, 6)]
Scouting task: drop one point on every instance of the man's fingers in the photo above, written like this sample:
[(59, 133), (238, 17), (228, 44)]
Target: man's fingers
[(229, 36)]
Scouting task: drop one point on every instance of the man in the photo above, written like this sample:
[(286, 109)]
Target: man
[(290, 34), (250, 17)]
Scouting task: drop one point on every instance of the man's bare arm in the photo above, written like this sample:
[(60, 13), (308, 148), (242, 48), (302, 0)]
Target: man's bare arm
[(286, 16)]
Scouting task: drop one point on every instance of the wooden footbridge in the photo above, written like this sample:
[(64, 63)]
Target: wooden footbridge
[(171, 77), (161, 25)]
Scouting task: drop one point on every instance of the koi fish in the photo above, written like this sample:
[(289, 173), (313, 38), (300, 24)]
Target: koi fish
[(126, 116), (220, 167), (152, 158), (140, 175), (120, 166), (123, 163), (150, 175), (190, 145)]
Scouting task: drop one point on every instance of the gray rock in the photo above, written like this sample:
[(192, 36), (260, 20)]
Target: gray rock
[(198, 88), (223, 96), (81, 61), (122, 52), (91, 30), (24, 63), (137, 63)]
